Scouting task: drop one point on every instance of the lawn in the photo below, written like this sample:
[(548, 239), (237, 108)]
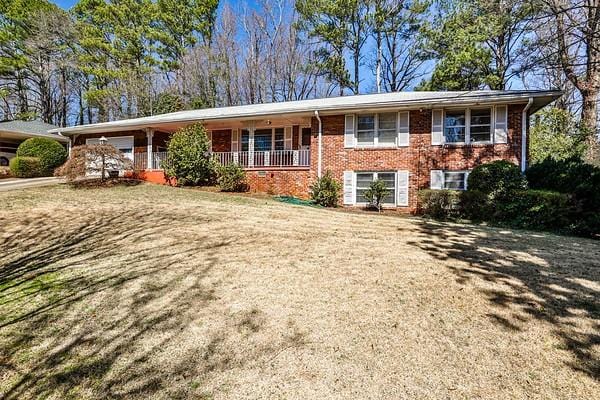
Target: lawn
[(156, 292)]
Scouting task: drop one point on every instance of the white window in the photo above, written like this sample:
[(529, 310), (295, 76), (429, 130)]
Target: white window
[(455, 180), (365, 132), (480, 128), (377, 129), (455, 126), (364, 180), (468, 126), (386, 129)]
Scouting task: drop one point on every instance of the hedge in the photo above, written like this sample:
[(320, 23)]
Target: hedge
[(50, 153), (26, 167)]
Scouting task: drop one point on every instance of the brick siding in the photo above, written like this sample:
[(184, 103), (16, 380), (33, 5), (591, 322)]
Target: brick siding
[(290, 182), (419, 158)]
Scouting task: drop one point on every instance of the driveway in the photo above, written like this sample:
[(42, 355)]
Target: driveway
[(23, 183)]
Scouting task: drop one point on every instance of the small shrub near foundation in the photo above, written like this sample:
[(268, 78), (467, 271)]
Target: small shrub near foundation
[(325, 191), (232, 178)]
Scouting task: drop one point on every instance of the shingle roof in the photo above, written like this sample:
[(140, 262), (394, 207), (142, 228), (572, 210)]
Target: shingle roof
[(30, 129), (325, 105)]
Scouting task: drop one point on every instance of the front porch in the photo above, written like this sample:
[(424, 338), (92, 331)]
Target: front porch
[(254, 145), (155, 160)]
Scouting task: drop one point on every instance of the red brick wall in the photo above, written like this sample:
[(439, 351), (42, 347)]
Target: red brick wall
[(293, 182), (418, 158)]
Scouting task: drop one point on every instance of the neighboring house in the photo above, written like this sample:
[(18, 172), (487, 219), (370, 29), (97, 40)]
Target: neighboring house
[(411, 140), (13, 133)]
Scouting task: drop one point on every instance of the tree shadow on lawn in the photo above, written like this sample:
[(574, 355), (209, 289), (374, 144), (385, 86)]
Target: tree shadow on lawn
[(535, 277), (117, 305)]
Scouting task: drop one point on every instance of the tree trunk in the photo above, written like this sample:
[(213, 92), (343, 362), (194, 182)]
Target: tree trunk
[(378, 67), (356, 69), (589, 121)]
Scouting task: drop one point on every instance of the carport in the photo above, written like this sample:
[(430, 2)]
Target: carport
[(13, 133)]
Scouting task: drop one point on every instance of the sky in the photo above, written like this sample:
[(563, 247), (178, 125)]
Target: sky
[(66, 4)]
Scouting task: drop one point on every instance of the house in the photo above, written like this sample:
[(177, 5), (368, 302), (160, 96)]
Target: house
[(411, 140), (13, 133)]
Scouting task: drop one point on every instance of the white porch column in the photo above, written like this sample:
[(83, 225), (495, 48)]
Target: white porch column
[(149, 135), (69, 147), (251, 145)]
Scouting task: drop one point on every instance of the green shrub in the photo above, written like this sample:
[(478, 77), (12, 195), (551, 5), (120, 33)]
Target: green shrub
[(377, 193), (326, 191), (475, 205), (50, 153), (537, 209), (189, 161), (568, 176), (577, 178), (26, 167), (232, 178), (497, 179), (439, 204)]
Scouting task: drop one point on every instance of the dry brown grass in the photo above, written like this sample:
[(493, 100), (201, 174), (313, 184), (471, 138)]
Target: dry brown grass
[(156, 292)]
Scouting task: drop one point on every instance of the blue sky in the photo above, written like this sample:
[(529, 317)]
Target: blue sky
[(66, 4)]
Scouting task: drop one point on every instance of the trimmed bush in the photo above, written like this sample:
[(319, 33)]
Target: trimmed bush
[(577, 178), (537, 209), (26, 167), (326, 191), (189, 161), (50, 153), (232, 178), (475, 205), (440, 204), (497, 179), (567, 176)]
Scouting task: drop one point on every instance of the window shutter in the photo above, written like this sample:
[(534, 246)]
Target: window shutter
[(437, 179), (500, 124), (402, 188), (403, 128), (287, 144), (234, 140), (437, 127), (349, 131), (348, 187)]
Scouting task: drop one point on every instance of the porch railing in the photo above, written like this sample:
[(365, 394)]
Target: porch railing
[(140, 160), (259, 159), (247, 159)]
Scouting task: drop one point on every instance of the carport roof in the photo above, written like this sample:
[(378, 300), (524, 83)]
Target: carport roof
[(26, 129)]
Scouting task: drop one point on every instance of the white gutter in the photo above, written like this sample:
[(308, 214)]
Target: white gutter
[(320, 144), (524, 135)]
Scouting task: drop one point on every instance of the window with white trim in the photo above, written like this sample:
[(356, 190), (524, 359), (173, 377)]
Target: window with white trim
[(364, 180), (455, 126), (455, 180), (480, 127), (377, 129), (468, 125)]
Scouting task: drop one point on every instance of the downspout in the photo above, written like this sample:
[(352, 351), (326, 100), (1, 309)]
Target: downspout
[(69, 145), (524, 135), (320, 144)]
